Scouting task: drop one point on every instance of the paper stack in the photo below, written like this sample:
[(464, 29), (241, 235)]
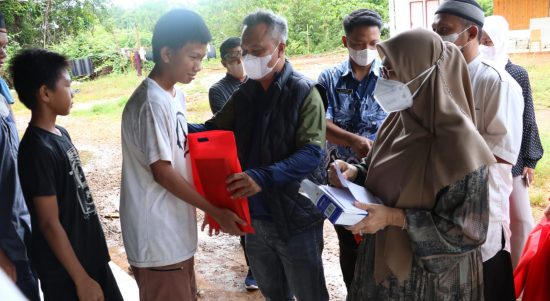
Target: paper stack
[(337, 203)]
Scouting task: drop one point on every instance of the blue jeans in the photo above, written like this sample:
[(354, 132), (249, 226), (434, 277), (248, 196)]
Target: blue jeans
[(286, 268)]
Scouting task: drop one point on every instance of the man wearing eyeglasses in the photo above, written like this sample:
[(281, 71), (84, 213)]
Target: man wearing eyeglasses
[(231, 54)]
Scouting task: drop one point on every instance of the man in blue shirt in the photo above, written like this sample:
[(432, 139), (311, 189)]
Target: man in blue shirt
[(15, 223), (353, 116)]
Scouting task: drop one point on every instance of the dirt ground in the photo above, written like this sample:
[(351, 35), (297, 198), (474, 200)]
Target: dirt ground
[(220, 264)]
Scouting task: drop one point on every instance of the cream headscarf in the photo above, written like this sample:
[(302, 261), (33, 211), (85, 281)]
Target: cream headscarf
[(423, 149), (497, 29)]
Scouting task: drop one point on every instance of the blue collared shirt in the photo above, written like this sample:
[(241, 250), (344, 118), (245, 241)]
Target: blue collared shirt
[(351, 104), (5, 91)]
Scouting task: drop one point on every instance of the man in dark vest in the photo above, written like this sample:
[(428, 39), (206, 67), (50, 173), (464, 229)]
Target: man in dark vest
[(279, 122)]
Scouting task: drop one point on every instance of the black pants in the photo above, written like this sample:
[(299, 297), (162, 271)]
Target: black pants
[(243, 244), (498, 277), (348, 253), (61, 287), (26, 280)]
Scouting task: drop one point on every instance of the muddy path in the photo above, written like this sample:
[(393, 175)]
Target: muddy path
[(220, 264)]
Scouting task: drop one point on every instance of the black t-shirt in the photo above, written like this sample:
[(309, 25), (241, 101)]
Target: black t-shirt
[(49, 165)]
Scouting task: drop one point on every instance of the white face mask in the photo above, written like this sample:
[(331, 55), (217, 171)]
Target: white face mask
[(256, 67), (488, 52), (394, 96), (453, 37), (236, 70), (363, 57)]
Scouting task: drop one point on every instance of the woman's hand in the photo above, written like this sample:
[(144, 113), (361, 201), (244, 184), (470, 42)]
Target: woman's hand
[(379, 217), (348, 171)]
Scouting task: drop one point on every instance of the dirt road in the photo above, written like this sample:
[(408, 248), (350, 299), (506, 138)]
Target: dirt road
[(220, 264)]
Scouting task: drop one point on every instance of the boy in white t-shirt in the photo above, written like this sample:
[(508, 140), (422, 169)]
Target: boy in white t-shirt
[(157, 201)]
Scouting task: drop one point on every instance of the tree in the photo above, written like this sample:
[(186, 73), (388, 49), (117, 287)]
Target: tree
[(487, 6)]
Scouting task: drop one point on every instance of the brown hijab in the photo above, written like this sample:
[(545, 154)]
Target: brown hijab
[(427, 147)]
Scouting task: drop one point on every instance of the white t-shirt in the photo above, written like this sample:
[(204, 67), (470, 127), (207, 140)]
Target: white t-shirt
[(157, 228), (499, 118)]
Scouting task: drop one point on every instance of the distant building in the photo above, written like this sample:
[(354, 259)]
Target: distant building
[(410, 14), (529, 23)]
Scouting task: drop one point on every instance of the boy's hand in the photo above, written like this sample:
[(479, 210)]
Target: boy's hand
[(210, 229), (7, 266), (228, 221), (89, 290), (241, 185)]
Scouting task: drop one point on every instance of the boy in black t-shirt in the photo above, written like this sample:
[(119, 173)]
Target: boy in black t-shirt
[(68, 248)]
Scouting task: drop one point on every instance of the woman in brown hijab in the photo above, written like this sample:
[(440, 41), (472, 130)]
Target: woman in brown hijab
[(428, 166)]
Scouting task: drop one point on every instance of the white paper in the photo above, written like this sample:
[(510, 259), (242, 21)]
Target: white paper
[(360, 193), (344, 199)]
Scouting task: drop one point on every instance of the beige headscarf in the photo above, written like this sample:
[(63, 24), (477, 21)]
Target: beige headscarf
[(423, 149)]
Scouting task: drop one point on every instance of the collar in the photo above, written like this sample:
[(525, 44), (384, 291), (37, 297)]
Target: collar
[(232, 78), (475, 62)]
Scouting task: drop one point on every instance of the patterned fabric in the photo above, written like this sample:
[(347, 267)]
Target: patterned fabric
[(351, 104), (445, 242), (531, 148)]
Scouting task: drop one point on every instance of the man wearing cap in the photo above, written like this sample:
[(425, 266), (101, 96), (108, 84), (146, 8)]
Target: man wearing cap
[(15, 223), (232, 60), (499, 108)]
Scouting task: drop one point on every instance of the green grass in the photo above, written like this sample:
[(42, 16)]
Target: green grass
[(538, 66), (104, 109)]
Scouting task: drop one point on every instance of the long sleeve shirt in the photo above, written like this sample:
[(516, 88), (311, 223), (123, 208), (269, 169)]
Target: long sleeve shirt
[(531, 150)]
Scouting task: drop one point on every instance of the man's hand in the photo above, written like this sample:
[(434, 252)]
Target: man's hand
[(348, 171), (361, 146), (88, 289), (241, 185), (228, 221), (7, 266), (528, 175)]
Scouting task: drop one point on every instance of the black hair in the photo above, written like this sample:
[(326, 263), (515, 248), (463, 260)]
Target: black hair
[(176, 28), (32, 68), (229, 44), (277, 25), (361, 17)]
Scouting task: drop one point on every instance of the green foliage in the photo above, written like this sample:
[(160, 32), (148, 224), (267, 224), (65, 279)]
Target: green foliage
[(487, 6), (315, 26), (97, 29)]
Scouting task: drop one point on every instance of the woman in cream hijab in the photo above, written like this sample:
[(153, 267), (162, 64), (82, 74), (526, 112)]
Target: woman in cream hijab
[(428, 166)]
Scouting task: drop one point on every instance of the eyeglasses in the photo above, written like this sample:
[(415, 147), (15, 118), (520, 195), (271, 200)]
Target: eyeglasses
[(385, 72)]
